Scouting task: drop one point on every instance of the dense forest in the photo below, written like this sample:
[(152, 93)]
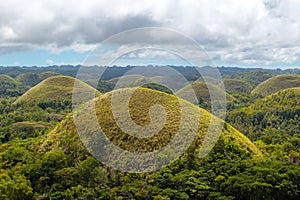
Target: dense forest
[(42, 157)]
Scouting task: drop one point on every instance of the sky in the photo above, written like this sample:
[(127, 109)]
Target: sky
[(256, 33)]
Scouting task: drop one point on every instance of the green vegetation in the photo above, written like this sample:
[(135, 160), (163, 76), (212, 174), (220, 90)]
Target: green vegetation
[(57, 88), (277, 83), (42, 157), (254, 78), (8, 86), (200, 91), (274, 120), (135, 80), (234, 86), (26, 120), (140, 102), (208, 79)]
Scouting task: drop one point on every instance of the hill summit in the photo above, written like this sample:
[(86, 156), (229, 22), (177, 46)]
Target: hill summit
[(177, 127), (277, 83), (55, 88)]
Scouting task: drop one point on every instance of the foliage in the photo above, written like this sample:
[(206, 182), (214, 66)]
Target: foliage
[(57, 88), (41, 158), (254, 78), (277, 83), (273, 119), (234, 86)]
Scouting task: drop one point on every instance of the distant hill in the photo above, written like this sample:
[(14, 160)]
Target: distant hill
[(64, 136), (159, 83), (31, 79), (254, 78), (8, 86), (6, 79), (44, 75), (190, 73), (234, 86), (277, 83), (273, 119), (56, 88), (200, 89), (208, 79)]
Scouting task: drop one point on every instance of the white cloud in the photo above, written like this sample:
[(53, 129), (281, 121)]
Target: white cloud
[(232, 31), (49, 62)]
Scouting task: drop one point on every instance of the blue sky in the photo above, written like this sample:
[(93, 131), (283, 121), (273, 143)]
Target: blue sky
[(46, 58), (42, 58)]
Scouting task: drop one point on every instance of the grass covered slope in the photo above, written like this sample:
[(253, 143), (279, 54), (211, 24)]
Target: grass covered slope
[(273, 119), (200, 89), (56, 88), (8, 86), (254, 78), (159, 83), (5, 79), (234, 86), (64, 136), (277, 83)]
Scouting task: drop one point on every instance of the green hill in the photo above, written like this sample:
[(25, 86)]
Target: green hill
[(32, 78), (64, 135), (200, 89), (234, 86), (8, 86), (273, 119), (254, 78), (43, 75), (277, 83), (57, 166), (135, 80), (208, 79), (57, 88), (5, 79)]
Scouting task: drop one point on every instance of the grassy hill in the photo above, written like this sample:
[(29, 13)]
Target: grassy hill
[(135, 80), (277, 83), (8, 86), (64, 135), (200, 89), (254, 78), (44, 75), (208, 79), (33, 78), (5, 79), (273, 119), (57, 165), (57, 88), (234, 86)]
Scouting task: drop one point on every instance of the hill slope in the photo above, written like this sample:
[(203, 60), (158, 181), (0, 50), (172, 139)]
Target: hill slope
[(8, 86), (273, 119), (65, 136), (254, 78), (5, 79), (200, 89), (56, 88), (136, 80), (234, 86), (277, 83)]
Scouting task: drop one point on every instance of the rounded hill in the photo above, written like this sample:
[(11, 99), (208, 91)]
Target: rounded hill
[(234, 86), (7, 80), (273, 119), (140, 108), (277, 83), (55, 88), (200, 89)]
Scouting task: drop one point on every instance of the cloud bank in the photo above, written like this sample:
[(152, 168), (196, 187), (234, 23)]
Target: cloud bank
[(254, 33)]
